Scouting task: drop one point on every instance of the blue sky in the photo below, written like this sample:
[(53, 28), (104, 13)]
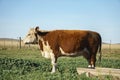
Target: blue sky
[(103, 16)]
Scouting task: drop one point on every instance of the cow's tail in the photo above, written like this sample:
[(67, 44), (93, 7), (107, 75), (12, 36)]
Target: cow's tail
[(100, 45)]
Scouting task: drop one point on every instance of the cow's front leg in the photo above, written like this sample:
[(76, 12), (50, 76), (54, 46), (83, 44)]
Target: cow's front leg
[(53, 67), (54, 63)]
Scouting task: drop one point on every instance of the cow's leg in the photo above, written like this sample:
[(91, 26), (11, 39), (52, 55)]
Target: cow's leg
[(87, 56), (54, 63), (93, 61), (89, 62)]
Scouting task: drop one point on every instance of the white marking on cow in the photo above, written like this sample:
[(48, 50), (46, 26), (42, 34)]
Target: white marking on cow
[(67, 54), (75, 53), (93, 66), (89, 66), (48, 53)]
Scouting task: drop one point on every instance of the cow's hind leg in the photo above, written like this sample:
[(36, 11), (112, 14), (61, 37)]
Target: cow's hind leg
[(87, 56), (92, 61)]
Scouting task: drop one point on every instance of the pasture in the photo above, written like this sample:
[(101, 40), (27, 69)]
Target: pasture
[(28, 64)]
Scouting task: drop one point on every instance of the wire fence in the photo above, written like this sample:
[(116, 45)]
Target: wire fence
[(6, 43)]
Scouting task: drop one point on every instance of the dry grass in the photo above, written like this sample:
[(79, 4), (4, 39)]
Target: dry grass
[(112, 46)]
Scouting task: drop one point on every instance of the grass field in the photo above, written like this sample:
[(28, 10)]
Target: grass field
[(28, 64)]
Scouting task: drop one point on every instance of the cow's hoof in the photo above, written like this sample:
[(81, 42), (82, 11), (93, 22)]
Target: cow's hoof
[(91, 67)]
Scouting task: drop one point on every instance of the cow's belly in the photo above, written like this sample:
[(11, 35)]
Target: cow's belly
[(75, 53)]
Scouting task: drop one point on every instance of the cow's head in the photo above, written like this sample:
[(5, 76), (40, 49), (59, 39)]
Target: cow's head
[(31, 37)]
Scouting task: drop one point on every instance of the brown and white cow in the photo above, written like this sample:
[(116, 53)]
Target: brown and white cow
[(57, 43)]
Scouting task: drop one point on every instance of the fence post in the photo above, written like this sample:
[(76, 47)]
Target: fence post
[(12, 43), (110, 46), (20, 42), (4, 44)]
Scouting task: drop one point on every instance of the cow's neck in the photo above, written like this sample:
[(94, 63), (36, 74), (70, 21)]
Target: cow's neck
[(42, 34)]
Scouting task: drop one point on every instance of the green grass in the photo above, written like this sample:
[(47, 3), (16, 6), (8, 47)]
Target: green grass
[(28, 64)]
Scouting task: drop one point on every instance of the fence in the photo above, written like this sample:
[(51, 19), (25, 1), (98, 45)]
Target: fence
[(14, 43)]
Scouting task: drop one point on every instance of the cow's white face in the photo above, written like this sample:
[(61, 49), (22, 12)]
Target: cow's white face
[(31, 37)]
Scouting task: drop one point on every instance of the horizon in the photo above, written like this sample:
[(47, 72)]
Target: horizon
[(17, 17)]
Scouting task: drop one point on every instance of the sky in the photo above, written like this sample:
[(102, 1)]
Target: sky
[(102, 16)]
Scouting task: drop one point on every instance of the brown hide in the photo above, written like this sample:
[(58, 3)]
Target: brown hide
[(72, 41)]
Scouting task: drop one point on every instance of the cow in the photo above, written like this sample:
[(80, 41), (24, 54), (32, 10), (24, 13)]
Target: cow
[(72, 43)]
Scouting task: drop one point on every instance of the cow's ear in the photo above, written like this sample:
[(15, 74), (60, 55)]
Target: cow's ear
[(37, 29)]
